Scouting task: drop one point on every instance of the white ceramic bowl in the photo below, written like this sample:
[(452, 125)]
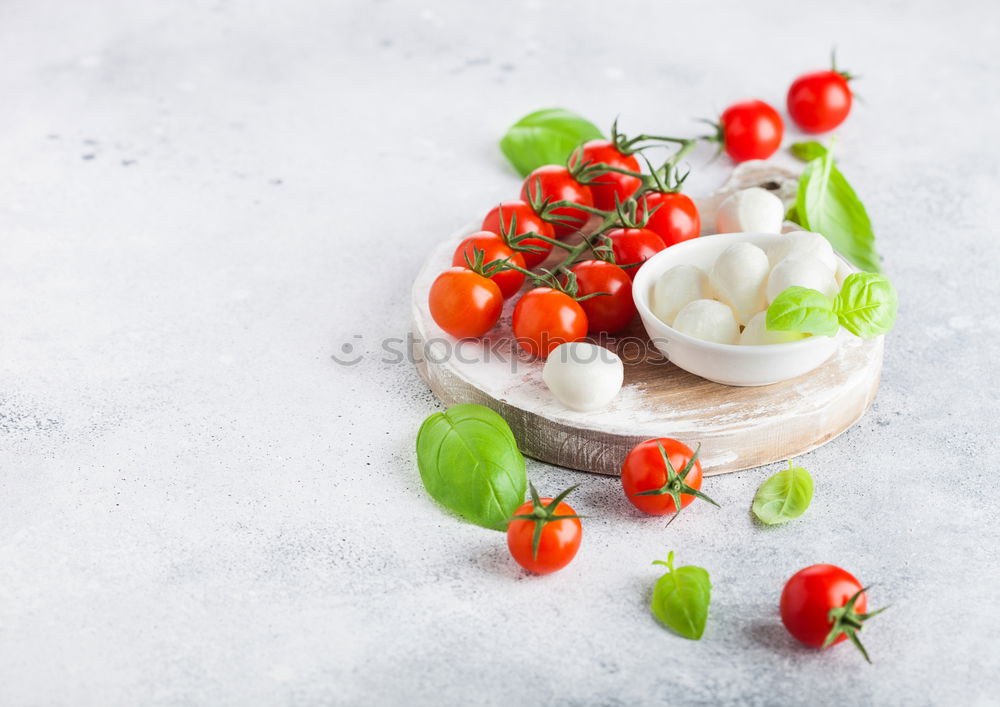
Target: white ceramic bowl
[(725, 363)]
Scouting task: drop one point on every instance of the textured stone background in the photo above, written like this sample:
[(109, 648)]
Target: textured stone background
[(202, 201)]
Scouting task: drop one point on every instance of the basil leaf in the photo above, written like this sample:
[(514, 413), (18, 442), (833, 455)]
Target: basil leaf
[(784, 496), (826, 203), (545, 137), (866, 304), (802, 310), (808, 151), (470, 463), (681, 598)]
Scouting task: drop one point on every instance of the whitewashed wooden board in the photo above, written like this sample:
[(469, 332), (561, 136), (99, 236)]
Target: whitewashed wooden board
[(738, 428)]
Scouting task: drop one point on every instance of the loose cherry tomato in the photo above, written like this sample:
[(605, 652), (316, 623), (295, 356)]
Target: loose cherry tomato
[(545, 317), (662, 476), (822, 605), (675, 220), (633, 247), (751, 130), (555, 545), (819, 101), (494, 248), (556, 183), (464, 303), (608, 313), (517, 217), (610, 184)]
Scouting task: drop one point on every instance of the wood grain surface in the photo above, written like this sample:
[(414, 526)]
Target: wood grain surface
[(737, 427)]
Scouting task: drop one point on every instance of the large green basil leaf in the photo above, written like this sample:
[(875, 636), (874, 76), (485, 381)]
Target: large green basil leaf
[(784, 496), (545, 137), (826, 203), (470, 463), (802, 310), (866, 304), (681, 598)]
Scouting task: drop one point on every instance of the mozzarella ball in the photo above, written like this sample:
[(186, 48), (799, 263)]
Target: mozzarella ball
[(583, 376), (803, 271), (709, 320), (752, 210), (843, 270), (675, 288), (756, 333), (803, 243), (738, 279)]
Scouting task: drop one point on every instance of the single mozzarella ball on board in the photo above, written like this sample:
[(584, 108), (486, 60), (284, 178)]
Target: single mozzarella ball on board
[(756, 333), (676, 287), (752, 210), (709, 320), (583, 376), (804, 272), (803, 243), (738, 279)]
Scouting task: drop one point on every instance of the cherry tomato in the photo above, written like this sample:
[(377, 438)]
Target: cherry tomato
[(819, 101), (817, 603), (751, 130), (633, 247), (559, 538), (545, 317), (520, 215), (645, 470), (610, 184), (464, 303), (608, 313), (493, 247), (556, 183), (675, 220)]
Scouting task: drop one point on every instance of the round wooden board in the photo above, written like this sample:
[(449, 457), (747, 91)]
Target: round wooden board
[(738, 428)]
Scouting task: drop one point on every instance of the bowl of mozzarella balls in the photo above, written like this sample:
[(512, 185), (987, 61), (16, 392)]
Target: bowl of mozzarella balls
[(704, 304)]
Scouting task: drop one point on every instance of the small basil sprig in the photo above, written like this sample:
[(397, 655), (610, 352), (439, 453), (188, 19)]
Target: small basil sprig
[(865, 306), (826, 203), (545, 137), (784, 496), (802, 310), (470, 463), (681, 598)]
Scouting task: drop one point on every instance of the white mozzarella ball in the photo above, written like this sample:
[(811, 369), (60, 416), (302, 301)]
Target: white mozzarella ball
[(583, 376), (675, 288), (709, 320), (752, 210), (843, 270), (738, 279), (803, 243), (756, 333), (804, 272)]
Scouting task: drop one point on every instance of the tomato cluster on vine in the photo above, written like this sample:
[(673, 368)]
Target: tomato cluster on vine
[(602, 213)]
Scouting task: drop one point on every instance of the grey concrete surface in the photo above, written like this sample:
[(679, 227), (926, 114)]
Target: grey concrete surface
[(201, 202)]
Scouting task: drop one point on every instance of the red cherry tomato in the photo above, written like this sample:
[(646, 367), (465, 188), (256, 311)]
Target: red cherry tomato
[(633, 247), (816, 604), (644, 469), (556, 183), (675, 220), (519, 215), (608, 313), (464, 303), (493, 247), (751, 130), (545, 318), (557, 543), (610, 184), (819, 101)]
